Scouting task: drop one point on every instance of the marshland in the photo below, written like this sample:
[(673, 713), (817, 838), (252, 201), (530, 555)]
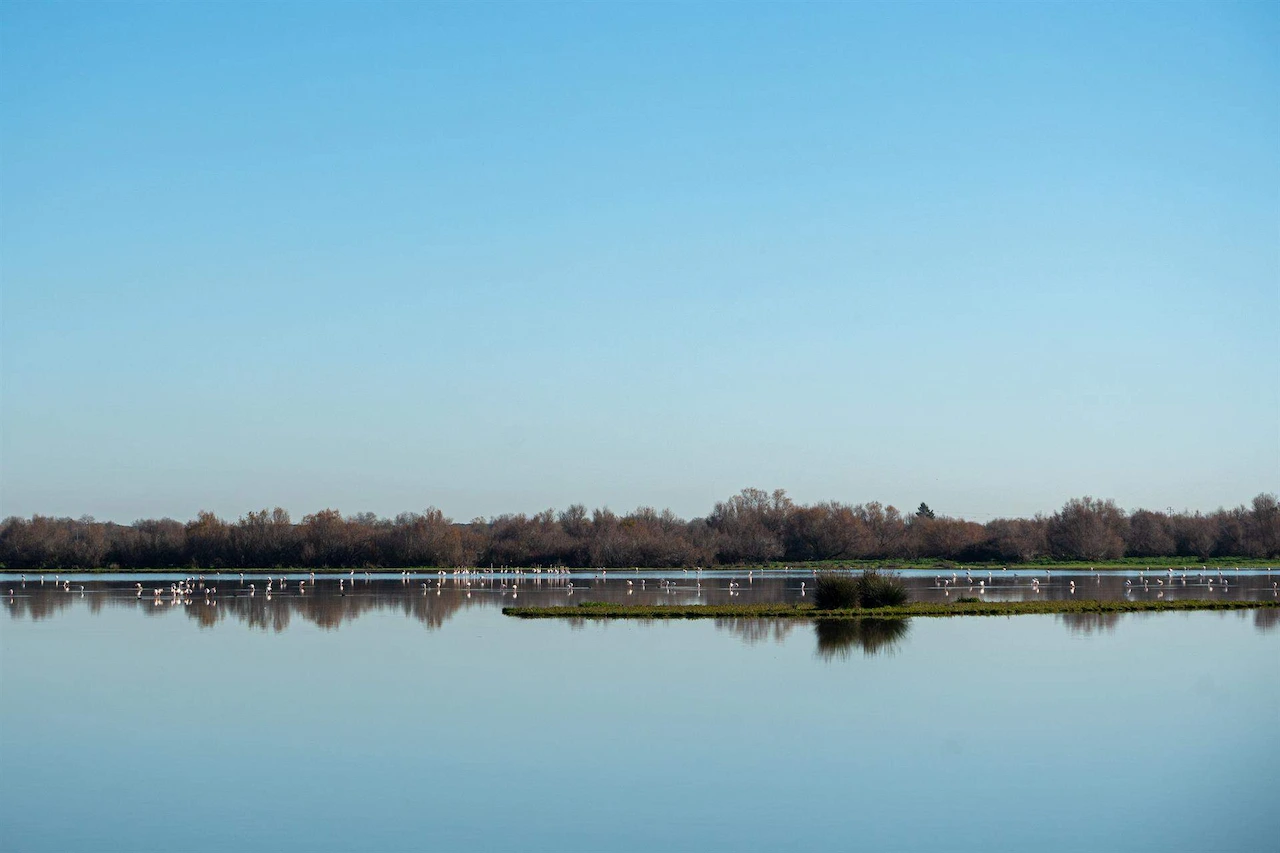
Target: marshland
[(332, 698), (379, 382)]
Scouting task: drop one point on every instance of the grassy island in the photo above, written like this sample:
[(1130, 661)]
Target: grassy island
[(605, 610)]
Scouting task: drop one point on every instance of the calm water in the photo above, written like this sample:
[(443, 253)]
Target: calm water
[(390, 717)]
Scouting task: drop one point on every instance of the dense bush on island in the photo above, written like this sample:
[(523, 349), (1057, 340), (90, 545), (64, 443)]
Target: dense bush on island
[(752, 527), (868, 590)]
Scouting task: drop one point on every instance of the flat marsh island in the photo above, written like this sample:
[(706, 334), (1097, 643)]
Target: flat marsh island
[(606, 610)]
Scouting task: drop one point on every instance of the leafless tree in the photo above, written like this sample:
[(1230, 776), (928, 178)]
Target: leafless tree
[(1087, 529)]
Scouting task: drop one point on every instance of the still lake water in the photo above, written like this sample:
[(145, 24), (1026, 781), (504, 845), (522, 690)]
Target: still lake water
[(390, 717)]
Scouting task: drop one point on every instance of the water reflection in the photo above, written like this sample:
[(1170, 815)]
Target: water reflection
[(324, 607), (1266, 619), (413, 733), (752, 631), (1090, 623), (837, 638), (259, 602)]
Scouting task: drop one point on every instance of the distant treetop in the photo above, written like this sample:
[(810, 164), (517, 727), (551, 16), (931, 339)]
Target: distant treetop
[(754, 526)]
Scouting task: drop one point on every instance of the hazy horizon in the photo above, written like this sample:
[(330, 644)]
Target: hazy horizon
[(499, 258)]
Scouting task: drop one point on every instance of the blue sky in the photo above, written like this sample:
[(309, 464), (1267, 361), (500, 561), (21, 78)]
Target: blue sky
[(499, 257)]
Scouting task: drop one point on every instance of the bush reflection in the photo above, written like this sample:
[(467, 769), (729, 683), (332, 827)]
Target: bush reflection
[(837, 638)]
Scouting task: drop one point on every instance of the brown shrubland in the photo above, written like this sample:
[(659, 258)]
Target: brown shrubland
[(753, 526)]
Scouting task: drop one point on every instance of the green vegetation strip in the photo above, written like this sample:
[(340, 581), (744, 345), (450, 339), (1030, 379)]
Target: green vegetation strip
[(604, 610)]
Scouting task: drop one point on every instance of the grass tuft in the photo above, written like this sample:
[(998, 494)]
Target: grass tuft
[(871, 589), (880, 589), (833, 591)]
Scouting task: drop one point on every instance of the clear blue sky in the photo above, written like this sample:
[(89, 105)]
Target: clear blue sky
[(499, 257)]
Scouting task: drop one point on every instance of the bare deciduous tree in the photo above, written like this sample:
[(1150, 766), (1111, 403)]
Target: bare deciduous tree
[(752, 526)]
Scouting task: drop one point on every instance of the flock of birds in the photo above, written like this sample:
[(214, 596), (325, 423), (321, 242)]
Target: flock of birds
[(1204, 578), (191, 589)]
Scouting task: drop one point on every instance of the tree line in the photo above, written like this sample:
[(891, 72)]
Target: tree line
[(752, 527)]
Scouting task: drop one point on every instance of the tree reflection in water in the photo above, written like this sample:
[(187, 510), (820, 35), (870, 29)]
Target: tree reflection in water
[(329, 606), (752, 631), (325, 609), (837, 638)]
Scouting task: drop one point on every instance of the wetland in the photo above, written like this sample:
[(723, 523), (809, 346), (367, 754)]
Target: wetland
[(379, 713)]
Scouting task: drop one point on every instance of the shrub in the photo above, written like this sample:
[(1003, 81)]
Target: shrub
[(881, 590), (835, 592), (870, 589)]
